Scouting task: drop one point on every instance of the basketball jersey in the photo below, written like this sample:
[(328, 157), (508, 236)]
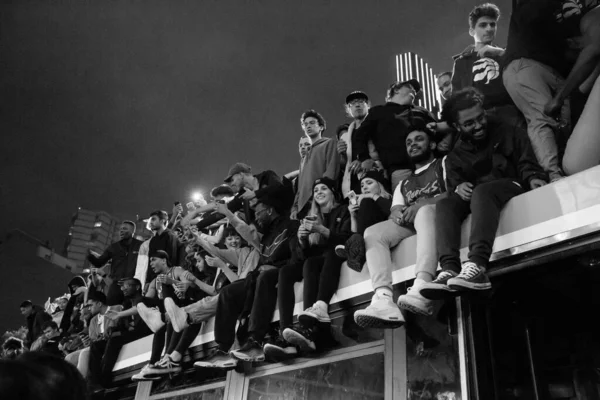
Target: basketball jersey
[(427, 183)]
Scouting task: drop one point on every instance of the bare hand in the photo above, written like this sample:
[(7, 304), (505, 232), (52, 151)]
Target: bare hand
[(409, 214), (465, 191), (445, 145), (294, 214), (161, 278), (553, 107), (537, 183), (182, 287), (178, 209), (396, 216), (112, 315), (368, 165), (86, 340), (302, 232), (355, 167), (439, 126), (215, 262), (222, 208), (353, 208), (248, 195), (342, 147), (488, 50)]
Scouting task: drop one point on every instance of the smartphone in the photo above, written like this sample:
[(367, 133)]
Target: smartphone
[(191, 206), (352, 197), (176, 203), (311, 218)]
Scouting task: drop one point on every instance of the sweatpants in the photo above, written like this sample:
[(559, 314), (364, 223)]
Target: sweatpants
[(486, 203), (231, 304), (381, 238), (369, 214), (531, 85), (202, 310)]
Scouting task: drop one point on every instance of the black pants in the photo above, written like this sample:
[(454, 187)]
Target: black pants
[(487, 201), (181, 341), (368, 215), (231, 304), (286, 299)]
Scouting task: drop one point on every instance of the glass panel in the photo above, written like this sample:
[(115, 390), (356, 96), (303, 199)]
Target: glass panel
[(358, 378), (212, 394), (432, 356)]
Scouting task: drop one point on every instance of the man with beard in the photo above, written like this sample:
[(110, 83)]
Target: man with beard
[(164, 239), (490, 164), (276, 230), (444, 84), (322, 160), (387, 126), (413, 211), (123, 257)]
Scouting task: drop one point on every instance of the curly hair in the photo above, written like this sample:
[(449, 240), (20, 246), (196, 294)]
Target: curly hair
[(315, 115), (462, 100), (483, 10)]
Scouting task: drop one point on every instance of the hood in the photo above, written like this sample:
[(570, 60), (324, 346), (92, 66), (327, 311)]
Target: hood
[(36, 309), (320, 141), (468, 51), (76, 280)]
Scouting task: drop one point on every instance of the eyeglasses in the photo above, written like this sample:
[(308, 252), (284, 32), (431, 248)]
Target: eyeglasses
[(470, 123)]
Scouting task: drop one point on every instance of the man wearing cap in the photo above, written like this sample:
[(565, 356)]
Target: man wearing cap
[(322, 160), (247, 188), (246, 299), (387, 126), (412, 212), (357, 107)]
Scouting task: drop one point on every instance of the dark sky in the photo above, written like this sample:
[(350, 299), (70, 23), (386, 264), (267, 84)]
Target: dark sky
[(127, 106)]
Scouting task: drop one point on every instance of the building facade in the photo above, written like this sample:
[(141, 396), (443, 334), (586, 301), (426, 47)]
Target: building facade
[(90, 230), (410, 65)]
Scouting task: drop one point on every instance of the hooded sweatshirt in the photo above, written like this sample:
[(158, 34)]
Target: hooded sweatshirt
[(76, 299), (35, 322), (321, 161)]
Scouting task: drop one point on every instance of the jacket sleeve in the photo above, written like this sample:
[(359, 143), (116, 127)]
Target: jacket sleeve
[(454, 175), (340, 230), (332, 169), (527, 164), (274, 183), (361, 137), (103, 259), (384, 205)]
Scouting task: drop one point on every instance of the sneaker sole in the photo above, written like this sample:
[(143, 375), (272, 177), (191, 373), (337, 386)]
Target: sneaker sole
[(462, 285), (244, 357), (277, 354), (227, 365), (144, 378), (369, 321), (293, 337), (343, 254), (441, 293), (414, 309), (311, 320), (170, 309), (164, 371), (355, 265)]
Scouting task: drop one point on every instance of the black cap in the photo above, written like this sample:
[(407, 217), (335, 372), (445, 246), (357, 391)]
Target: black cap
[(330, 183), (374, 174), (237, 168), (357, 95)]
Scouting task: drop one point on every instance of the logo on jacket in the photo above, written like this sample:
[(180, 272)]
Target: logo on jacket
[(485, 68), (568, 9)]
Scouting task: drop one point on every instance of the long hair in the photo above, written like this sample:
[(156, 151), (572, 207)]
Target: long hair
[(316, 239)]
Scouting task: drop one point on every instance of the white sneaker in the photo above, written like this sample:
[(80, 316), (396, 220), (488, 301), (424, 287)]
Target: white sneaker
[(151, 317), (413, 302), (143, 374), (177, 316), (319, 312), (382, 313)]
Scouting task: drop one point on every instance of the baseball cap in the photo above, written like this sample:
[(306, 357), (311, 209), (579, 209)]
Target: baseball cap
[(237, 168), (161, 254), (412, 82), (357, 95)]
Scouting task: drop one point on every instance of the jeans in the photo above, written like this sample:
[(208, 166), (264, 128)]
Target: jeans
[(487, 201), (531, 85), (382, 237)]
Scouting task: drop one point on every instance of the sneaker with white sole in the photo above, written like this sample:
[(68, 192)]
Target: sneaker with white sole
[(357, 252), (279, 350), (177, 316), (165, 366), (151, 317), (217, 359), (300, 336), (143, 374), (251, 351), (414, 302), (438, 289), (319, 312), (382, 313), (472, 277)]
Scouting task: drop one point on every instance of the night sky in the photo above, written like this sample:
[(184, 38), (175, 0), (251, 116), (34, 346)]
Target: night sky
[(127, 106)]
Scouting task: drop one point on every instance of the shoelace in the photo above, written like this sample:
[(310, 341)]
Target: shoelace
[(469, 271), (444, 275)]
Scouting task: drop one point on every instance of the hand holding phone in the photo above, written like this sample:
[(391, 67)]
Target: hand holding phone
[(191, 206), (352, 197)]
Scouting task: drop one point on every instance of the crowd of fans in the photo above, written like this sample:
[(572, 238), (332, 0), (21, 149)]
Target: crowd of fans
[(393, 172)]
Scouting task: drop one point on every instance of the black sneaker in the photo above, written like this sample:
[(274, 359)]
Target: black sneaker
[(439, 289), (472, 277), (279, 350), (251, 351), (301, 337), (356, 251)]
